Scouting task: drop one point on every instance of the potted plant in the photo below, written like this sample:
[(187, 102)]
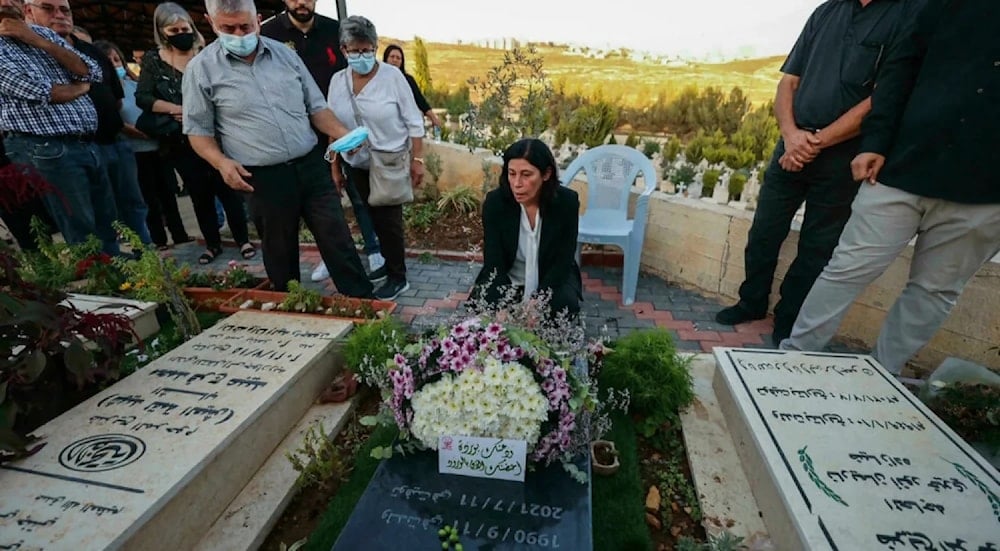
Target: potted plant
[(301, 301), (604, 457), (209, 290)]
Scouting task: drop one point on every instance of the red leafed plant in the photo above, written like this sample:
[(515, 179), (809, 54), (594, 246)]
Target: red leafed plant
[(46, 339), (21, 183)]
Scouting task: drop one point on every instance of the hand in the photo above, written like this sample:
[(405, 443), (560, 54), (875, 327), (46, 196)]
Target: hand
[(178, 115), (789, 164), (233, 174), (20, 31), (866, 166), (802, 146), (416, 173)]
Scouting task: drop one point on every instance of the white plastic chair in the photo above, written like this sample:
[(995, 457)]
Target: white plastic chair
[(611, 172)]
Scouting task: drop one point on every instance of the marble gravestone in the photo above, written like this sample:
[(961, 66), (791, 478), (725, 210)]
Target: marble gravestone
[(152, 460), (407, 502), (841, 457)]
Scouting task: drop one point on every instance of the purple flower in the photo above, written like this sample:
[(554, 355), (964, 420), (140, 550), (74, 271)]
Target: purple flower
[(493, 330), (399, 359)]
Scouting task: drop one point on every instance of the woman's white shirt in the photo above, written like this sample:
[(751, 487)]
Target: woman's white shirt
[(386, 106), (524, 271)]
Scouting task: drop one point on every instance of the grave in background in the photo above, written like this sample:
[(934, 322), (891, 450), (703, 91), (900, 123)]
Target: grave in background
[(150, 462), (841, 456), (408, 501)]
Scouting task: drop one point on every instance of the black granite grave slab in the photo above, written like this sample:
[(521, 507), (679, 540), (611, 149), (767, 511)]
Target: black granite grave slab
[(408, 501)]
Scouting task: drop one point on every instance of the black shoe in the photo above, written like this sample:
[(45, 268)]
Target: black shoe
[(378, 275), (737, 314), (391, 289)]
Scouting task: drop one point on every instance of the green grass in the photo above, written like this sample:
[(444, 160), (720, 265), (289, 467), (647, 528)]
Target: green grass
[(342, 505), (618, 501)]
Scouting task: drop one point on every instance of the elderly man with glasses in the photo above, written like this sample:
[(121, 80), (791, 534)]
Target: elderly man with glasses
[(248, 104), (50, 122), (116, 155)]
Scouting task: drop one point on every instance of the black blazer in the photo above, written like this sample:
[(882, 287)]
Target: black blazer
[(557, 268)]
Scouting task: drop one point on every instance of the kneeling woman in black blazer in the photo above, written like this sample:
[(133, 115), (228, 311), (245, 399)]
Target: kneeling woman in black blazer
[(530, 228)]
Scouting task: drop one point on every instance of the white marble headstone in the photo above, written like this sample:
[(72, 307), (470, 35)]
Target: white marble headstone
[(841, 456), (110, 464)]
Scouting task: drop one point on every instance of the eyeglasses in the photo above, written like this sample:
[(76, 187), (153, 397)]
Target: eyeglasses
[(49, 8), (368, 53)]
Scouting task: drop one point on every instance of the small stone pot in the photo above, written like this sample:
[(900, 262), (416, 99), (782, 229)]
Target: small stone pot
[(604, 448)]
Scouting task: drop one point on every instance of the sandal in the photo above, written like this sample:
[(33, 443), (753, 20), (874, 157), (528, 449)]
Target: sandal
[(248, 251), (163, 247), (209, 255)]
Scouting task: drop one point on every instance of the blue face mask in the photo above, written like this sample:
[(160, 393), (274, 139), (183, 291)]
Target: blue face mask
[(241, 46), (363, 64), (121, 72)]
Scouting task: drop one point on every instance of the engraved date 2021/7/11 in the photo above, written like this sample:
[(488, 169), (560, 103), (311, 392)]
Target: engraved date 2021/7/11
[(512, 507)]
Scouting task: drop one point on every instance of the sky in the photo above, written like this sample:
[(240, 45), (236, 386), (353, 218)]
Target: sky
[(689, 28)]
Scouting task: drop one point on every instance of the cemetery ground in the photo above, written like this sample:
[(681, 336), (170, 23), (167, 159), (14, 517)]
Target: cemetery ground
[(652, 502)]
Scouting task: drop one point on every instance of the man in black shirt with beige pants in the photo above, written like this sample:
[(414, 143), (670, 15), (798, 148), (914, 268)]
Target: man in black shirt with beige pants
[(928, 161), (821, 99)]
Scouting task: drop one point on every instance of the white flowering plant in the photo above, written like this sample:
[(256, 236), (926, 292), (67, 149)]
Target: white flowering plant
[(479, 377)]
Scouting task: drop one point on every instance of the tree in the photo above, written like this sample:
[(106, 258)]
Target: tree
[(421, 70)]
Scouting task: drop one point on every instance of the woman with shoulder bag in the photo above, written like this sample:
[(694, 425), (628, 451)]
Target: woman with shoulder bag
[(158, 94), (375, 95)]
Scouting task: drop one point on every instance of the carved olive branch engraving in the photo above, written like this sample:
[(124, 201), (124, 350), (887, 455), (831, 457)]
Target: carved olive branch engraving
[(807, 464)]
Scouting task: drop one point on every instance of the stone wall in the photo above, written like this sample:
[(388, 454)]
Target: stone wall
[(699, 244)]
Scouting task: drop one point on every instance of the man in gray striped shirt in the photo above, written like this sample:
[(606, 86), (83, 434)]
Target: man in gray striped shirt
[(248, 104)]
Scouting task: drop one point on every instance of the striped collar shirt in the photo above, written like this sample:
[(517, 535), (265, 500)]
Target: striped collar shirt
[(27, 76)]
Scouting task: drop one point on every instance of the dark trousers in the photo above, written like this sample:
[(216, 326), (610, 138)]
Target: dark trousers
[(158, 184), (828, 189), (388, 223), (204, 184), (304, 189)]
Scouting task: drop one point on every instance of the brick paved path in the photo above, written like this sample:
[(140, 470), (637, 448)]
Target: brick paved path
[(438, 288)]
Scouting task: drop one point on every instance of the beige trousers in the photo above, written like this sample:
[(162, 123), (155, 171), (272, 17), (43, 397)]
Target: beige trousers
[(953, 241)]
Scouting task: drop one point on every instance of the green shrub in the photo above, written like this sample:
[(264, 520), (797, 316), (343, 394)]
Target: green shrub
[(632, 140), (708, 181), (704, 144), (671, 149), (736, 183), (420, 216), (461, 200), (370, 345), (683, 174), (612, 140), (589, 124), (646, 364), (650, 148)]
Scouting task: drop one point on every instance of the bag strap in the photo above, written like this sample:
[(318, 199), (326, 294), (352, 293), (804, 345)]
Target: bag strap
[(350, 94)]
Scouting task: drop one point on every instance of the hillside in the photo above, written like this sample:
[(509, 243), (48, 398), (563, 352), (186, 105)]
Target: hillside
[(631, 82)]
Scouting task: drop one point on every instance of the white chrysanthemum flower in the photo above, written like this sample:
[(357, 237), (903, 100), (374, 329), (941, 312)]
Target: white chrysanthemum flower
[(502, 401)]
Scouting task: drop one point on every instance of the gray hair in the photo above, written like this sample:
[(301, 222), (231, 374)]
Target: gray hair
[(358, 29), (167, 14), (230, 6)]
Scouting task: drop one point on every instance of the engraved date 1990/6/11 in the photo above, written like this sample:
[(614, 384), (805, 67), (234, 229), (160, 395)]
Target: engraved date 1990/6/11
[(499, 533), (511, 506)]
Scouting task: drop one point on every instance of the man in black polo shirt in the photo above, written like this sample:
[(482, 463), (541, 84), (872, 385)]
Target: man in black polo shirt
[(821, 99), (317, 41), (117, 157), (933, 126)]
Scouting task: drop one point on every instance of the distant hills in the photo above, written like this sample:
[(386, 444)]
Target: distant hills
[(630, 77)]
